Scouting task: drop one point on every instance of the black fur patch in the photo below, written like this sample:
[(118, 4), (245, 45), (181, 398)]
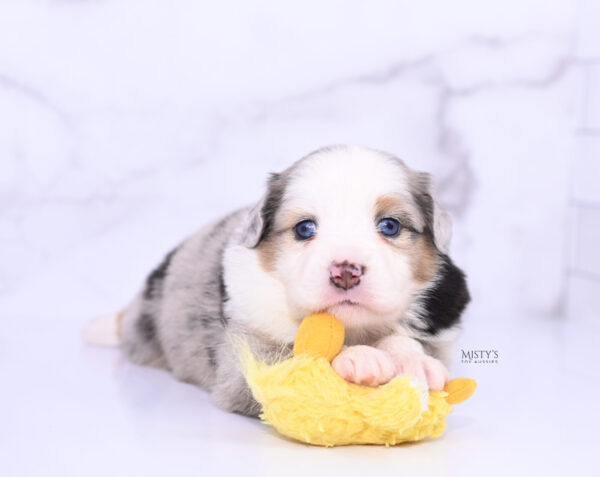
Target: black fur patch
[(208, 324), (153, 287), (222, 286), (216, 290), (146, 326), (275, 190), (224, 296), (444, 303), (212, 355), (212, 324)]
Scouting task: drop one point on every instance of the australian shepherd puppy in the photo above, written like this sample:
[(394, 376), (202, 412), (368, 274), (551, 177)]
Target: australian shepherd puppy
[(347, 230)]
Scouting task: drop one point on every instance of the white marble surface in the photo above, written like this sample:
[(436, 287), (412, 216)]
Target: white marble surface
[(72, 410), (126, 125)]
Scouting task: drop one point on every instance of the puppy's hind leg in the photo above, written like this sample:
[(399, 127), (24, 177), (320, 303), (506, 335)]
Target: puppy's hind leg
[(103, 330), (133, 329), (139, 335)]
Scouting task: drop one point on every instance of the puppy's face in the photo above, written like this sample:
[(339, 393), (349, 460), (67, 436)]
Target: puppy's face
[(349, 231)]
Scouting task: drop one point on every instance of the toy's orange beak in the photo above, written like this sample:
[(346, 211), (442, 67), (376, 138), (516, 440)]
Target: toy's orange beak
[(459, 390)]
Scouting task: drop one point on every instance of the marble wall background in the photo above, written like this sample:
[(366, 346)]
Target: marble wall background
[(583, 272), (124, 125)]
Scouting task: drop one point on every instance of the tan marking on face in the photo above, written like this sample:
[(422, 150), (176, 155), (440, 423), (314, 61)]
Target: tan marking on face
[(401, 208), (267, 253), (422, 256), (423, 259), (279, 238), (288, 217), (388, 205)]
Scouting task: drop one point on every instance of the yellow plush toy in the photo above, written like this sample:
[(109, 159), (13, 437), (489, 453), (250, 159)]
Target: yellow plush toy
[(305, 399)]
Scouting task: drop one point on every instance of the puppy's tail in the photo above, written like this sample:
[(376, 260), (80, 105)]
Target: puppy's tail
[(103, 330)]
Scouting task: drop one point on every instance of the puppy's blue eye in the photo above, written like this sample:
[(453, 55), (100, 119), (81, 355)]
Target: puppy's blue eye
[(388, 227), (305, 229)]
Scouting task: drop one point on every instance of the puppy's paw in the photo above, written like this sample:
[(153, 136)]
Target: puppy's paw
[(364, 365), (424, 368)]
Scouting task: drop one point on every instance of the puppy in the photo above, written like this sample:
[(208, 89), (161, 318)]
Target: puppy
[(347, 230)]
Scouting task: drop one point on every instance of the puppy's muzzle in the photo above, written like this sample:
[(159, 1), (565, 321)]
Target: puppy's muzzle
[(345, 275)]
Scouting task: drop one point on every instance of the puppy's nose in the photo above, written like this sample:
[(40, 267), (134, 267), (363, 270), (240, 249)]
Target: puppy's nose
[(345, 275)]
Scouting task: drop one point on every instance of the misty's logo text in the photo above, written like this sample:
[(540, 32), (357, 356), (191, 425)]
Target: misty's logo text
[(479, 356)]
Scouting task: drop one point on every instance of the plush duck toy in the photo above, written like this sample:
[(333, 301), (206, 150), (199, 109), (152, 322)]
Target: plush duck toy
[(305, 399)]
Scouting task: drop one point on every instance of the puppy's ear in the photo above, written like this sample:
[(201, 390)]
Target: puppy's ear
[(437, 221), (261, 218), (442, 228)]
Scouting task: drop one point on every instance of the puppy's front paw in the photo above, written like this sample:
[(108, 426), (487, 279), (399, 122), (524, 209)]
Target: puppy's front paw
[(364, 365), (424, 368)]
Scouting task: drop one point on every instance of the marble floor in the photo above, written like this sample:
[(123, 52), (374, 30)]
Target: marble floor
[(70, 409)]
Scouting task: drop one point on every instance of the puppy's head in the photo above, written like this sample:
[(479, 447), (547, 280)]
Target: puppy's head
[(350, 231)]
